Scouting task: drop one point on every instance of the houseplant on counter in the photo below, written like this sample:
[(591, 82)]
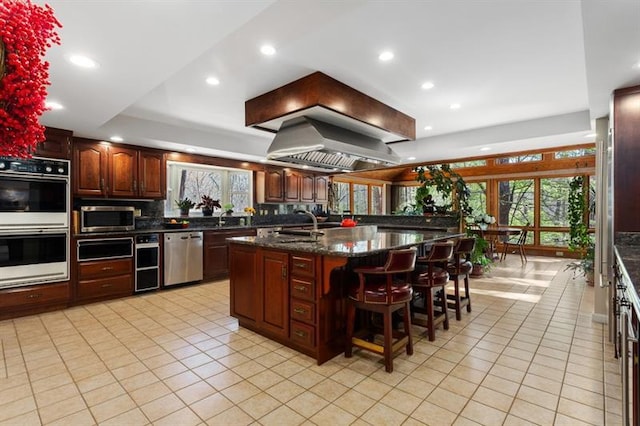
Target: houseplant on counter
[(207, 205), (228, 208), (250, 211), (185, 205)]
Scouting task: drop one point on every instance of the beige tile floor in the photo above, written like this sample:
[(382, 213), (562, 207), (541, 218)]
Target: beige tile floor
[(527, 354)]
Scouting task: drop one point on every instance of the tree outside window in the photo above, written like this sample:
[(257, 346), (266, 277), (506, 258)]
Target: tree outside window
[(477, 197), (342, 196), (360, 199), (516, 202), (376, 200)]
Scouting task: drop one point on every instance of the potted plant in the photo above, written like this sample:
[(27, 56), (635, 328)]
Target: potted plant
[(580, 240), (208, 204), (185, 205), (449, 184), (228, 208), (479, 259)]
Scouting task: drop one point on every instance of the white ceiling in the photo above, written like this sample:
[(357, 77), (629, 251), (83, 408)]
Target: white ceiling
[(528, 74)]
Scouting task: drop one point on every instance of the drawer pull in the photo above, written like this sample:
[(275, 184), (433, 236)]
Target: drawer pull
[(300, 265), (106, 285), (300, 288), (33, 296), (300, 333), (299, 311), (107, 268)]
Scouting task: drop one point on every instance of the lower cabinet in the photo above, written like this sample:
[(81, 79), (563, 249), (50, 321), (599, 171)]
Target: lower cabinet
[(33, 299), (282, 295), (216, 252), (104, 279)]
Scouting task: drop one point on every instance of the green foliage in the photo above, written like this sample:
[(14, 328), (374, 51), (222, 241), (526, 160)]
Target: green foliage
[(185, 204), (447, 183), (478, 255), (579, 239)]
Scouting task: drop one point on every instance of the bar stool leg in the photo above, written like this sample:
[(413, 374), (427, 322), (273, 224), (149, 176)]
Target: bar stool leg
[(456, 293), (388, 343), (466, 292), (428, 301), (407, 327), (351, 316)]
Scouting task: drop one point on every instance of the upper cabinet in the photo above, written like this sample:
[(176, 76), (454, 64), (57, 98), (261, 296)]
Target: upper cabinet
[(102, 170), (321, 185), (57, 144), (292, 186), (274, 186)]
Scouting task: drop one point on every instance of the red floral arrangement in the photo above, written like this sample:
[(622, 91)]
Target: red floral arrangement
[(26, 32)]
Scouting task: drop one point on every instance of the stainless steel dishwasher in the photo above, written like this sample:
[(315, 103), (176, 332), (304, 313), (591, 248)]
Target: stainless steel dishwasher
[(182, 257)]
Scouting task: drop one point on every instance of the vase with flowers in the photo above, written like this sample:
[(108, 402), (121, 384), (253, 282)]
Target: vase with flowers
[(482, 220), (250, 211)]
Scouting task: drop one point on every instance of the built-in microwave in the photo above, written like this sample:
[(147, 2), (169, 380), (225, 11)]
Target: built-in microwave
[(107, 218)]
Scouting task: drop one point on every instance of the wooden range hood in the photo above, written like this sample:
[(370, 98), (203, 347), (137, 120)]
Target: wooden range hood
[(326, 99)]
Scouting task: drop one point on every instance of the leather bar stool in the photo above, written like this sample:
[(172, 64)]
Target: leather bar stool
[(385, 290), (461, 266), (430, 282)]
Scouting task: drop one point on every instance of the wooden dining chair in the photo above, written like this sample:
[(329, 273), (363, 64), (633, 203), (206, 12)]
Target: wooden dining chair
[(516, 245), (385, 290)]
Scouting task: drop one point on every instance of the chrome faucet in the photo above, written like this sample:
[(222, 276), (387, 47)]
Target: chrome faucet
[(315, 231), (220, 221)]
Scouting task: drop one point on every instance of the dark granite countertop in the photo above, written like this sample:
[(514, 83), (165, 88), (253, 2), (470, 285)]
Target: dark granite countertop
[(347, 247), (629, 262)]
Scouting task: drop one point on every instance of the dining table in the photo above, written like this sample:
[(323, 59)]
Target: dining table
[(493, 234)]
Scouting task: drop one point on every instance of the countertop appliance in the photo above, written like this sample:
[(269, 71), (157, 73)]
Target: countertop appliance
[(147, 262), (182, 257), (107, 218)]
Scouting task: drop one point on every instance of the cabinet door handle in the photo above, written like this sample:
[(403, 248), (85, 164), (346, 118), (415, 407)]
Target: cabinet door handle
[(300, 288), (135, 185), (101, 183), (300, 333), (33, 296), (142, 186), (284, 272), (106, 285), (300, 265), (107, 268), (299, 311)]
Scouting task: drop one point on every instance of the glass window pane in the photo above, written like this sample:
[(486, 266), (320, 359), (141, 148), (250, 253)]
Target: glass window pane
[(519, 159), (572, 153), (554, 196), (477, 197), (592, 201), (341, 196), (516, 206), (404, 199), (360, 199), (555, 239), (376, 200), (472, 163)]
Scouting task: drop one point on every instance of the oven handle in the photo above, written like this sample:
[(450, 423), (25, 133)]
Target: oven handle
[(37, 231)]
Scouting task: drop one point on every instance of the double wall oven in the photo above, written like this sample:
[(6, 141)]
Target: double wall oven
[(34, 221)]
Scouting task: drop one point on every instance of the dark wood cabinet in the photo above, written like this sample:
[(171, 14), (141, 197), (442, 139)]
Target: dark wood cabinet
[(117, 171), (274, 268), (307, 188), (123, 172), (245, 293), (57, 144), (274, 186), (626, 149), (216, 252), (104, 279), (291, 186), (321, 189), (90, 169), (33, 299)]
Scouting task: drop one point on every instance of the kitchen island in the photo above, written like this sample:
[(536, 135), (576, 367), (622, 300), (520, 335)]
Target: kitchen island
[(292, 289)]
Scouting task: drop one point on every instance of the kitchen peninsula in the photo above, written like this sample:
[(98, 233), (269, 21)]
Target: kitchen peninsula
[(292, 289)]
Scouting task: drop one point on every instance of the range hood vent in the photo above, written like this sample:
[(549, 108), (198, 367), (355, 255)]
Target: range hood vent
[(314, 143)]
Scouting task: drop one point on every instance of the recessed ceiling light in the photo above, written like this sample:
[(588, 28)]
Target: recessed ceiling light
[(263, 160), (212, 81), (454, 106), (387, 55), (590, 135), (191, 150), (346, 171), (83, 61), (116, 138), (427, 85), (411, 158), (428, 127), (52, 105), (305, 167), (268, 50), (637, 65), (485, 148)]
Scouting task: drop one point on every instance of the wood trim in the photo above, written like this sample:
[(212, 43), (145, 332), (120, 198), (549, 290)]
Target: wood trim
[(318, 89)]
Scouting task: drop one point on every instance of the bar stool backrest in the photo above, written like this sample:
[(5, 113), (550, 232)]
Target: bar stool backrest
[(403, 260), (440, 252)]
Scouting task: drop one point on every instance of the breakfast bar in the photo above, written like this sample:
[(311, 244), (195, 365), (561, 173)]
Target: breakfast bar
[(292, 289)]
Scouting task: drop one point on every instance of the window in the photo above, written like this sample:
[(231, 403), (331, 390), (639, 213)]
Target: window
[(472, 163), (403, 198), (477, 197), (516, 202), (376, 200), (342, 199), (573, 153), (554, 196), (186, 180), (519, 159), (360, 199)]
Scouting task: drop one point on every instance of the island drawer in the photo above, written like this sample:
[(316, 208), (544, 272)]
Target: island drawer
[(303, 311), (302, 288), (302, 265), (303, 334)]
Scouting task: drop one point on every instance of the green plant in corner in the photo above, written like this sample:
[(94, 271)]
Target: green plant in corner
[(580, 241), (478, 255)]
